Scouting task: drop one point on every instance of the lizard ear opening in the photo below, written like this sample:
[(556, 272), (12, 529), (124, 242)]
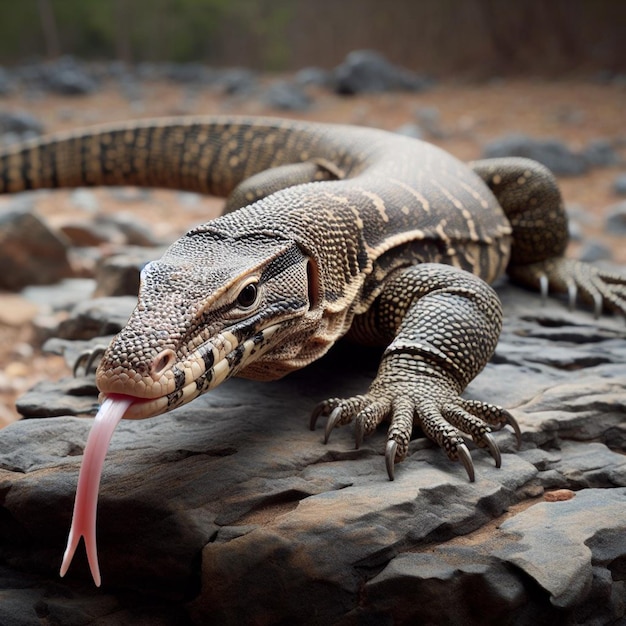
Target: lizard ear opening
[(313, 284)]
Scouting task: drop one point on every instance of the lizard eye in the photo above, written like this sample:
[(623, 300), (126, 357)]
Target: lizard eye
[(247, 296)]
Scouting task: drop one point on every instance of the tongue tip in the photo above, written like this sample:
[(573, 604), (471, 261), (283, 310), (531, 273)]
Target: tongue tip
[(85, 504)]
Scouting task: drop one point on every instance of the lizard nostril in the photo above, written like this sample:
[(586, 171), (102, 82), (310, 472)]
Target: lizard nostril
[(163, 362)]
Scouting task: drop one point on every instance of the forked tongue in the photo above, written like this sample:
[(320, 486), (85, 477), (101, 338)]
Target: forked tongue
[(86, 502)]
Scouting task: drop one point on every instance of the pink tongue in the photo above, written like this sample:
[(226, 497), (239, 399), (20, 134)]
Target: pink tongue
[(85, 505)]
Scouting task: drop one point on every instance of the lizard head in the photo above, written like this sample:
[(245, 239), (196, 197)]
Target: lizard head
[(213, 306)]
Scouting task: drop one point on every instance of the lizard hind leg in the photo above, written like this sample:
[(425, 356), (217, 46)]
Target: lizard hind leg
[(530, 197), (600, 289)]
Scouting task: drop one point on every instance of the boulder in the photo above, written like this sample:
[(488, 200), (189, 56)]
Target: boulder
[(619, 185), (368, 71), (228, 510), (31, 253)]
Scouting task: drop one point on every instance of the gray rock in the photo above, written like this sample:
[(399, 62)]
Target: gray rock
[(410, 129), (313, 76), (368, 71), (62, 296), (127, 195), (287, 96), (6, 83), (619, 185), (68, 77), (69, 396), (96, 317), (553, 153), (548, 530), (19, 123), (118, 275), (133, 231), (616, 218), (237, 81), (264, 524), (475, 583), (429, 119), (593, 251), (601, 153), (31, 253), (188, 73), (85, 199)]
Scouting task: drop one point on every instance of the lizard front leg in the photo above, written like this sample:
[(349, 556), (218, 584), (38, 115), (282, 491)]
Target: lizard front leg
[(443, 325)]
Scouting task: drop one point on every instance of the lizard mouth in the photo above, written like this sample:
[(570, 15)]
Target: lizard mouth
[(208, 366)]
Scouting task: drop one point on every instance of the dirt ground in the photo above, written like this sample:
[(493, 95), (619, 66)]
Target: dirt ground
[(468, 115)]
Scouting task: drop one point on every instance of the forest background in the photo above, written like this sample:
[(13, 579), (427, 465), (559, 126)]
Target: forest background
[(475, 38)]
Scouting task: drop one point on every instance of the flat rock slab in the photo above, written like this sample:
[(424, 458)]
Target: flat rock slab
[(230, 511)]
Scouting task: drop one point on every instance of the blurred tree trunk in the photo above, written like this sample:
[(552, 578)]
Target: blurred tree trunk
[(49, 27)]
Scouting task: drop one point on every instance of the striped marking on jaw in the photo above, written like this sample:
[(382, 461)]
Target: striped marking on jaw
[(200, 379)]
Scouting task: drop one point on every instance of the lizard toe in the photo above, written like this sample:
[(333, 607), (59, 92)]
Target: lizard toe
[(339, 412), (492, 414), (580, 281)]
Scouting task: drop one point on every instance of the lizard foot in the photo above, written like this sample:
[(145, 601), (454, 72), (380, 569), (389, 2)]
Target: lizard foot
[(88, 360), (603, 290), (442, 415)]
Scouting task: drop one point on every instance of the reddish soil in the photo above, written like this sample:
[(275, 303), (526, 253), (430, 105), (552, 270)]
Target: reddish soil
[(576, 111)]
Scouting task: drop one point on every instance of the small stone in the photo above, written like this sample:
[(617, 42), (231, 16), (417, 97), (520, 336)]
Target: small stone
[(368, 71), (619, 185), (17, 369), (85, 199), (313, 76), (15, 310), (593, 251), (127, 195), (20, 123), (31, 253), (410, 129), (119, 274), (601, 153), (98, 316), (6, 83), (237, 81), (66, 76), (559, 495), (429, 119), (616, 218), (553, 153), (287, 97)]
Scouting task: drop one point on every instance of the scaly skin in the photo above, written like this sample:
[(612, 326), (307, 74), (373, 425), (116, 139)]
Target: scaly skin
[(330, 230), (338, 231)]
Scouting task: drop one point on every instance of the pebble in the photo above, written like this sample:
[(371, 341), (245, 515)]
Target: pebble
[(616, 218), (559, 495), (619, 185)]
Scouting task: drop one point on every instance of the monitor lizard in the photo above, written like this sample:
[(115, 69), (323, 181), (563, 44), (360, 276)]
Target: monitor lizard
[(328, 231)]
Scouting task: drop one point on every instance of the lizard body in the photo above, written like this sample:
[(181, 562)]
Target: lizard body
[(330, 230)]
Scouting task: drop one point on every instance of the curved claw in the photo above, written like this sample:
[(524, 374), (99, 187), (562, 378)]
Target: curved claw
[(466, 459), (358, 434), (515, 426), (317, 411), (333, 419), (88, 357), (390, 458), (598, 305), (572, 292), (544, 284), (492, 446)]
